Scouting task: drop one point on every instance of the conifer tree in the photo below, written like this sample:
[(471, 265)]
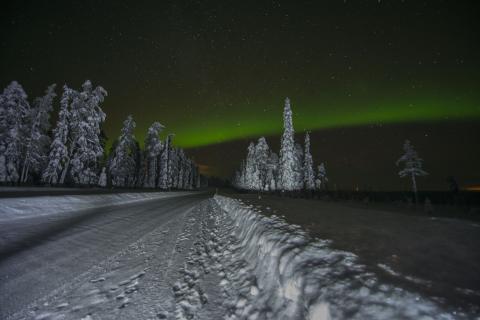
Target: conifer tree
[(412, 166), (165, 164), (58, 156), (308, 173), (14, 111), (153, 148), (287, 177), (261, 164), (86, 148), (122, 166), (38, 141), (322, 178)]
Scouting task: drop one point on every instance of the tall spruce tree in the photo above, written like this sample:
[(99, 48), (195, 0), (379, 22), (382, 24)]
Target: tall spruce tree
[(38, 141), (261, 164), (122, 166), (322, 179), (58, 156), (153, 149), (14, 112), (287, 176), (86, 119), (308, 173), (165, 164), (298, 166), (412, 166), (250, 167)]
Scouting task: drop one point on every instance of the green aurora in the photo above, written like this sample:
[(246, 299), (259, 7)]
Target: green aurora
[(314, 116)]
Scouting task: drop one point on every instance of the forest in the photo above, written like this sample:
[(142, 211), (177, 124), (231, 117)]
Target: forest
[(74, 152)]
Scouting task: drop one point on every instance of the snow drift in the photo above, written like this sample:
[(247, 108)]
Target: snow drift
[(273, 270)]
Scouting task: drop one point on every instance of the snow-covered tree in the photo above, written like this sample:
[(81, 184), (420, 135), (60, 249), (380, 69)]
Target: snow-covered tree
[(153, 148), (165, 164), (86, 119), (250, 167), (182, 169), (3, 164), (287, 176), (261, 164), (38, 141), (102, 180), (122, 166), (308, 173), (77, 147), (270, 181), (138, 178), (57, 160), (188, 175), (298, 167), (412, 166), (14, 112), (322, 179)]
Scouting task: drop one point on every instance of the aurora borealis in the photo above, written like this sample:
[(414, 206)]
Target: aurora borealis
[(312, 116), (216, 73)]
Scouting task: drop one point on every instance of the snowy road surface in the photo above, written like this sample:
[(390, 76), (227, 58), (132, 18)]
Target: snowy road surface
[(188, 257)]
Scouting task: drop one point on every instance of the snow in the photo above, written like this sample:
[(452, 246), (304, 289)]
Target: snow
[(222, 259), (302, 278), (18, 208)]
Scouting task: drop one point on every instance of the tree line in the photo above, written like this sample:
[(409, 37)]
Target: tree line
[(293, 170), (74, 151)]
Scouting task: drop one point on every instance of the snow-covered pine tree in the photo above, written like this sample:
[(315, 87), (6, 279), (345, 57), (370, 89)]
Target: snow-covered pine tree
[(3, 164), (38, 141), (102, 180), (298, 166), (86, 119), (173, 168), (58, 157), (122, 166), (250, 167), (187, 173), (308, 173), (172, 165), (153, 148), (181, 171), (322, 179), (137, 179), (165, 163), (270, 183), (287, 176), (413, 166), (14, 111), (261, 164)]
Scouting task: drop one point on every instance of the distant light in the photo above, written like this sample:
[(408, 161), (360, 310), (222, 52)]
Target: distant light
[(473, 188)]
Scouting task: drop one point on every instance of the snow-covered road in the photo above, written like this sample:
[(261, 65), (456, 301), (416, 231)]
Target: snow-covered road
[(42, 253), (189, 257)]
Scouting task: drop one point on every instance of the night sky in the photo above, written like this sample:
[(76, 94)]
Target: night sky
[(362, 75)]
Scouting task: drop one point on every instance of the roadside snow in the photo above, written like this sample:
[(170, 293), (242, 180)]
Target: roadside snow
[(18, 208), (273, 270)]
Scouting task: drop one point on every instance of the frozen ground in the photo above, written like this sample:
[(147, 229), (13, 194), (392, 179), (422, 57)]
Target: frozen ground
[(190, 257)]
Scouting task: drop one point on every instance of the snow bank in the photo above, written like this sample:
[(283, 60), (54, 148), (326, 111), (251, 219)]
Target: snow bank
[(277, 272), (18, 208)]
